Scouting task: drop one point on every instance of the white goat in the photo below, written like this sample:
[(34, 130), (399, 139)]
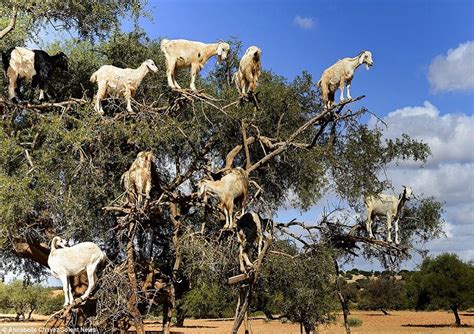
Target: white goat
[(340, 74), (180, 53), (389, 206), (250, 228), (247, 75), (120, 81), (71, 261), (231, 186), (137, 180)]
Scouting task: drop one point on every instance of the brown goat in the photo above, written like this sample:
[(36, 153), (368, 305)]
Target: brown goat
[(233, 185), (137, 180)]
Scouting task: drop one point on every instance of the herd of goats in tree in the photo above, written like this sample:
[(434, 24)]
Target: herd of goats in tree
[(231, 190)]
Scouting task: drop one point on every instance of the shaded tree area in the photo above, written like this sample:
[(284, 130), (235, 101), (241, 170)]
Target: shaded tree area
[(61, 164), (23, 298), (444, 282)]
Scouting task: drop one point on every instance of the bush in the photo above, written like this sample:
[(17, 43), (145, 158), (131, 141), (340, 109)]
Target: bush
[(51, 304), (354, 322)]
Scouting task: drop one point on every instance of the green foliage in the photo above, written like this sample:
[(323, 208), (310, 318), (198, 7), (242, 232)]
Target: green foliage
[(22, 298), (442, 283), (306, 284), (209, 300), (385, 293), (88, 18), (51, 304), (354, 322)]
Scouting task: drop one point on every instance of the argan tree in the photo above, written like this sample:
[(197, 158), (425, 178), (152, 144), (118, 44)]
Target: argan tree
[(61, 165), (444, 282)]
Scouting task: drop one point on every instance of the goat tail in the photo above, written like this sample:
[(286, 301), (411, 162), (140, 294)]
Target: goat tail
[(93, 77), (319, 83)]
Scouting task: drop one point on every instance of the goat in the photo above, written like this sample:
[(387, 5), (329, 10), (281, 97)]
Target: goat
[(231, 186), (120, 81), (340, 74), (34, 65), (137, 180), (71, 261), (250, 228), (181, 53), (389, 206), (247, 75)]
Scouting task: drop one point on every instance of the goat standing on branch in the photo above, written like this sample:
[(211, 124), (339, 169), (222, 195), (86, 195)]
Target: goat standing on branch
[(34, 65), (138, 179), (120, 81), (232, 186), (389, 206), (180, 53), (249, 233), (72, 261), (247, 75), (340, 74)]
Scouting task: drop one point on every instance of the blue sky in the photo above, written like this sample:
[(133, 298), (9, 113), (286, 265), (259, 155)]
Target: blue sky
[(422, 82), (404, 36)]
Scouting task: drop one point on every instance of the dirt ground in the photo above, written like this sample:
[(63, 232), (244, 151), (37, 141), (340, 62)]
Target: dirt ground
[(372, 322)]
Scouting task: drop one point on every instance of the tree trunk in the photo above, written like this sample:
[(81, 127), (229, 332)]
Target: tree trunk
[(180, 317), (30, 313), (133, 298), (309, 328), (342, 300), (456, 315), (384, 312)]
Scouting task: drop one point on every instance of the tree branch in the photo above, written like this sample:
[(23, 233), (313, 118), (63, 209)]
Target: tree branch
[(11, 24)]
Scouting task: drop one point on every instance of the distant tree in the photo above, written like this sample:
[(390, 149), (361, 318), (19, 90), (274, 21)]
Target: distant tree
[(444, 282), (22, 298), (306, 284), (383, 293)]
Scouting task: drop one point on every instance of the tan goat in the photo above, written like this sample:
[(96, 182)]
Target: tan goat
[(232, 186), (340, 74), (246, 77), (181, 53), (137, 180)]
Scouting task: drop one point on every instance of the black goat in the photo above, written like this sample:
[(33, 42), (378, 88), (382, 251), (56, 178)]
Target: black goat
[(250, 228), (34, 65)]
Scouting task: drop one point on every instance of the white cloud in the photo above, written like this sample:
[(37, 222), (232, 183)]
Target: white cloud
[(454, 71), (449, 173), (304, 22), (449, 136)]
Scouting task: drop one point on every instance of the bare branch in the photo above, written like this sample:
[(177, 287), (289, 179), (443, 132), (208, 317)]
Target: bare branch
[(11, 24)]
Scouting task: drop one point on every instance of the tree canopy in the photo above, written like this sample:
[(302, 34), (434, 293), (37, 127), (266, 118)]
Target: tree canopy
[(444, 282), (61, 165)]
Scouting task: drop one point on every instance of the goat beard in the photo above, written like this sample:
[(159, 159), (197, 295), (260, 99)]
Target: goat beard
[(219, 59)]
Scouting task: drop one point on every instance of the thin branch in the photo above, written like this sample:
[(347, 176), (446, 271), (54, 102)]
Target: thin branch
[(11, 24), (300, 130)]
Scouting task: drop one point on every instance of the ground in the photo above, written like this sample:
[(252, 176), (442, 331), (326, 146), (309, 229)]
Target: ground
[(372, 322)]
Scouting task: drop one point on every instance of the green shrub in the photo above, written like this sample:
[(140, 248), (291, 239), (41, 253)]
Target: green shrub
[(354, 322), (51, 304)]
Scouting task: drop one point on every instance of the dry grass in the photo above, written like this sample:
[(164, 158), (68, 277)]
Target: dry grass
[(373, 322)]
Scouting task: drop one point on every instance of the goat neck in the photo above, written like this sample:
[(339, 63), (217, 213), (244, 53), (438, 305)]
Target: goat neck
[(209, 51), (141, 71), (401, 202), (355, 61)]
